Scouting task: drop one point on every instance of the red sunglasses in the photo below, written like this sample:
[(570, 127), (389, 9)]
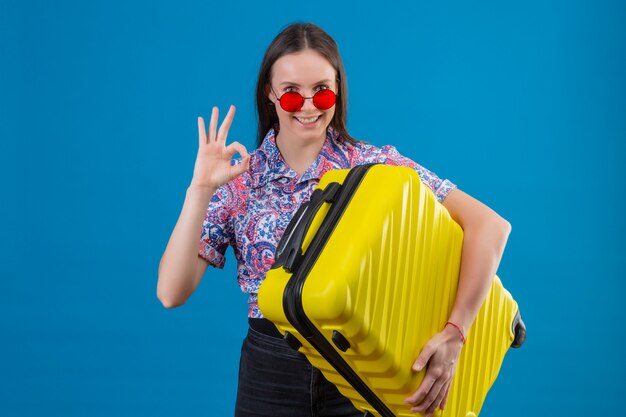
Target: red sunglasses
[(292, 101)]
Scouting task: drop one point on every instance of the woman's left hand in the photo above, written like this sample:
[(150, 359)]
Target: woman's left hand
[(441, 356)]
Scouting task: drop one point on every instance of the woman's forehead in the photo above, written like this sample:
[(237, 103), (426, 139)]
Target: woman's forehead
[(302, 68)]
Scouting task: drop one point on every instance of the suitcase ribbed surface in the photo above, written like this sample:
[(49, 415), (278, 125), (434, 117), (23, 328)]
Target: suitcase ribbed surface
[(386, 280)]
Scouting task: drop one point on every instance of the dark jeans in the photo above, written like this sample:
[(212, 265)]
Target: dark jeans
[(277, 381)]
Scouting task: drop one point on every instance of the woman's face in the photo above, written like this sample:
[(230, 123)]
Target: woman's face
[(305, 72)]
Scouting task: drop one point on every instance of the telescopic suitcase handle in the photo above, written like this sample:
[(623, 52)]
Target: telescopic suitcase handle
[(289, 250)]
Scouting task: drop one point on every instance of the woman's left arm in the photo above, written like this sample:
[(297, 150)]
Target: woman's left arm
[(484, 237)]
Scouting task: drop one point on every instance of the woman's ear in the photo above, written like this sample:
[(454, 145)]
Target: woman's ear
[(267, 91), (270, 97)]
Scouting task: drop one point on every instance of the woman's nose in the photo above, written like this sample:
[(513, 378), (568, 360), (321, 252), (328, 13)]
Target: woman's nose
[(308, 103)]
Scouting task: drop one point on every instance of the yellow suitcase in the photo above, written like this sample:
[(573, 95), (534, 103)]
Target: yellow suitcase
[(365, 274)]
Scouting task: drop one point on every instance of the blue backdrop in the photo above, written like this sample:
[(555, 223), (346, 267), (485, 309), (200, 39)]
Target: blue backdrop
[(523, 105)]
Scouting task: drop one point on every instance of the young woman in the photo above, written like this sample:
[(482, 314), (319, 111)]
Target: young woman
[(247, 204)]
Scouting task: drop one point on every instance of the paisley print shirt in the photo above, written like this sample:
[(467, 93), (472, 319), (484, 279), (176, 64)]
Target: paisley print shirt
[(251, 212)]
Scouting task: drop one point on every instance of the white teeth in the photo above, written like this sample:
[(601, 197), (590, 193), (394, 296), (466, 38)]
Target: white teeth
[(309, 120)]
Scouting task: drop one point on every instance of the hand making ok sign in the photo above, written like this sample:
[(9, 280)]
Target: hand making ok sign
[(213, 168)]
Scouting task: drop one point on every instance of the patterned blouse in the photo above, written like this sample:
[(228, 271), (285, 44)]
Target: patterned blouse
[(251, 212)]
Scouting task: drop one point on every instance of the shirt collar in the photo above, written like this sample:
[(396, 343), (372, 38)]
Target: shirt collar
[(269, 164)]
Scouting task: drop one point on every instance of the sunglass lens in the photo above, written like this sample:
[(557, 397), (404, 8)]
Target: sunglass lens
[(291, 101), (324, 99)]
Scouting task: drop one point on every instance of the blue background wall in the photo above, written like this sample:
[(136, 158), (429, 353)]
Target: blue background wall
[(523, 105)]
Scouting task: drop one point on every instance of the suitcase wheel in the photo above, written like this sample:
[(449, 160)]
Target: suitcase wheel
[(292, 341), (519, 330)]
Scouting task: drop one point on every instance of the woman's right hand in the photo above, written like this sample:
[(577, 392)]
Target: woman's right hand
[(213, 168)]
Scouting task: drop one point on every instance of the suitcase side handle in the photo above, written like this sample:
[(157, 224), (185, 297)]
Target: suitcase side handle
[(289, 250)]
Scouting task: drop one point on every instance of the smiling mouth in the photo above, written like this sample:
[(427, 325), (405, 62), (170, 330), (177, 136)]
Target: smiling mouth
[(308, 120)]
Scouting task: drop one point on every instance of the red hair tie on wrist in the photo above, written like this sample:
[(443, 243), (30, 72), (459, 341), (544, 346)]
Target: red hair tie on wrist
[(459, 329)]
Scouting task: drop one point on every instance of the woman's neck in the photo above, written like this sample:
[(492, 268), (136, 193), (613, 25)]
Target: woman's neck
[(297, 154)]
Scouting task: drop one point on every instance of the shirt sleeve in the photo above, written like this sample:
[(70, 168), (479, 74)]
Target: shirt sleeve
[(389, 155), (217, 230)]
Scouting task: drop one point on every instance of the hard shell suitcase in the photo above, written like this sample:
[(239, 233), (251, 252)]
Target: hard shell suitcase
[(365, 274)]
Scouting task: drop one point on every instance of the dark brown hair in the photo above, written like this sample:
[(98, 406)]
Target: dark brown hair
[(295, 38)]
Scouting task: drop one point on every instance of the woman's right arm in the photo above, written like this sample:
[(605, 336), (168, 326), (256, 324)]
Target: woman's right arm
[(181, 269)]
